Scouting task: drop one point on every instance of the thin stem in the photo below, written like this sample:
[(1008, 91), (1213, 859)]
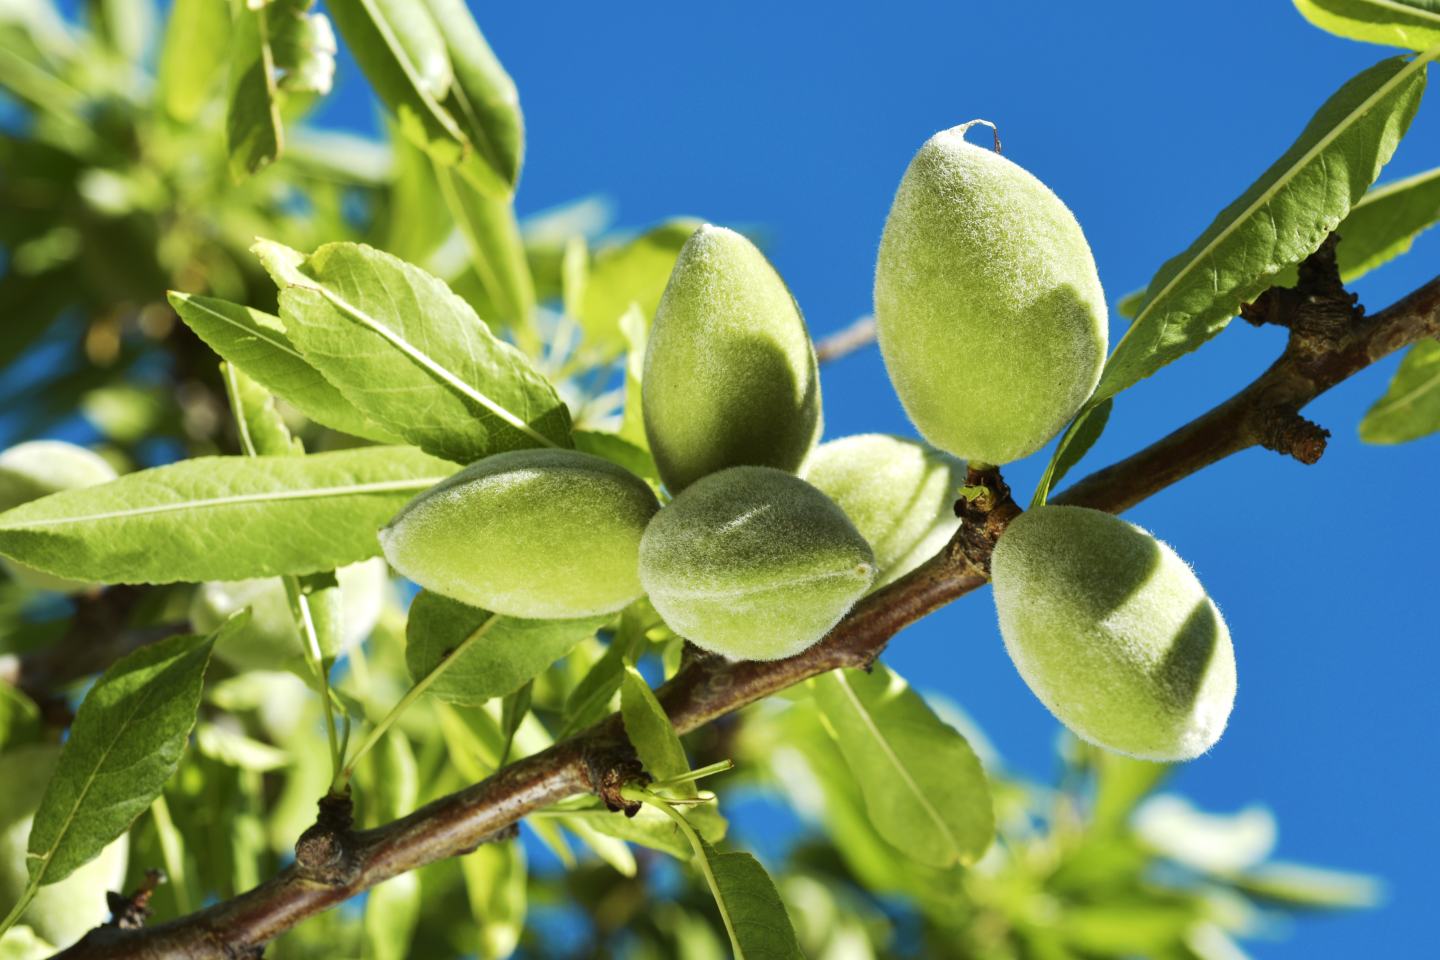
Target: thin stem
[(171, 853), (700, 858), (411, 695), (719, 766), (300, 608)]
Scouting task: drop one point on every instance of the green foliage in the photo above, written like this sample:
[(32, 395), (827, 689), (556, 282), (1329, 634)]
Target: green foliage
[(542, 534), (987, 304), (753, 563), (300, 514), (924, 790), (124, 744), (1410, 408), (502, 653), (650, 731), (1114, 634), (410, 354), (1413, 24), (730, 376)]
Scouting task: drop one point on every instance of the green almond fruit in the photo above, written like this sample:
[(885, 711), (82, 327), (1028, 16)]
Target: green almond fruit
[(540, 534), (38, 468), (61, 912), (900, 495), (1113, 632), (730, 376), (271, 641), (988, 307), (753, 563)]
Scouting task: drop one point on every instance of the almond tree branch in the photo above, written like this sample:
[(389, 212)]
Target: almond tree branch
[(846, 341), (335, 862)]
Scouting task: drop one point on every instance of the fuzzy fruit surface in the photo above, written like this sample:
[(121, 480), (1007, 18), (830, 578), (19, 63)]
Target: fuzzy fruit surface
[(900, 495), (541, 534), (1113, 632), (753, 563), (38, 468), (988, 307), (62, 912), (730, 376), (271, 641)]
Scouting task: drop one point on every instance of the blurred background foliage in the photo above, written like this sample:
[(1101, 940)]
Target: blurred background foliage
[(126, 169)]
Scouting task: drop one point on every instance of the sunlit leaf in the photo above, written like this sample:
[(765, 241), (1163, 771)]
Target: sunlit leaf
[(1410, 408)]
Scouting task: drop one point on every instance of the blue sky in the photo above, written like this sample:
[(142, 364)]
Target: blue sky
[(1146, 118)]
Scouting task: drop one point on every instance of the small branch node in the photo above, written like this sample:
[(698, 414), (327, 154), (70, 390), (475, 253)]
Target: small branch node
[(984, 511), (1285, 431), (326, 851), (612, 767), (130, 913)]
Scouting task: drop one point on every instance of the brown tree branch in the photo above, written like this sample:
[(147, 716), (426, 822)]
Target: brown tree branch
[(710, 687), (846, 341)]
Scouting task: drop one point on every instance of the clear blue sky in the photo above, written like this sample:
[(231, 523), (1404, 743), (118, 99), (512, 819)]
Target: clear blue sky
[(1146, 118)]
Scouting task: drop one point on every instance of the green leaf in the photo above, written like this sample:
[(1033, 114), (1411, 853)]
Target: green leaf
[(483, 101), (635, 327), (410, 354), (1280, 220), (381, 51), (511, 653), (619, 451), (750, 905), (1386, 222), (923, 786), (261, 431), (257, 343), (1410, 409), (392, 913), (1076, 442), (253, 131), (19, 718), (1379, 228), (221, 518), (590, 700), (197, 38), (649, 828), (303, 45), (1296, 885), (650, 731), (495, 887), (497, 250), (634, 271), (418, 218), (1412, 24), (234, 749), (125, 743)]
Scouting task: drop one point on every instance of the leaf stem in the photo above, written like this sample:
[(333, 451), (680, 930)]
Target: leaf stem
[(411, 695), (300, 608), (701, 858)]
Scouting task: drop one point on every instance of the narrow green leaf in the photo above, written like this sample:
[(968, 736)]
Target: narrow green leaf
[(262, 433), (1076, 442), (631, 272), (1410, 409), (234, 749), (497, 251), (303, 46), (511, 653), (649, 828), (1412, 24), (619, 451), (1378, 229), (221, 518), (418, 218), (483, 101), (650, 731), (253, 130), (197, 37), (410, 354), (125, 743), (257, 343), (1296, 885), (635, 328), (590, 700), (19, 718), (513, 710), (751, 907), (495, 886), (923, 786), (380, 50), (1280, 220), (392, 914), (1386, 222)]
